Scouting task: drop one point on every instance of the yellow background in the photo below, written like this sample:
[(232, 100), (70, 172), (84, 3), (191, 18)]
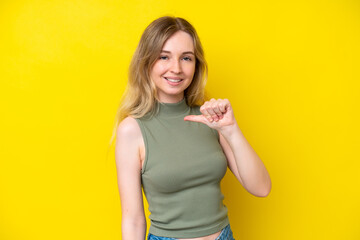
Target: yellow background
[(289, 68)]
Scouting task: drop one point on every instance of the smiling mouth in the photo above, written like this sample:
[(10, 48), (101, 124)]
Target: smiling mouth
[(173, 80)]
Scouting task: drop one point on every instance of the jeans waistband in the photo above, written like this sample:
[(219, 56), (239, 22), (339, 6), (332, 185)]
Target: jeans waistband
[(225, 234)]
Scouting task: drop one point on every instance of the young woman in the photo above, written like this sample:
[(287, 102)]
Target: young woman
[(176, 145)]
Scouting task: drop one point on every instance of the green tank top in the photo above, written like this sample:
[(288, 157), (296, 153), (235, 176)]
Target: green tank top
[(184, 164)]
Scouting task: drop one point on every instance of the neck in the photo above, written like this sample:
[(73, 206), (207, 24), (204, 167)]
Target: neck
[(172, 109), (170, 99)]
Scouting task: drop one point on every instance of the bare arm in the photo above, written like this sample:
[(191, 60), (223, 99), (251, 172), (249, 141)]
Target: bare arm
[(133, 222), (230, 158), (242, 159), (245, 163)]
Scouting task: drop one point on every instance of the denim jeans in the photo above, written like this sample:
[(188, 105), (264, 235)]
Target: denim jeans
[(225, 234)]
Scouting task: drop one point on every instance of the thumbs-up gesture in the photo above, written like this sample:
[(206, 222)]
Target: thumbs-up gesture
[(217, 114)]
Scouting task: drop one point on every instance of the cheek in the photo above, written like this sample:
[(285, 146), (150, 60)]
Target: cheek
[(191, 70), (159, 68)]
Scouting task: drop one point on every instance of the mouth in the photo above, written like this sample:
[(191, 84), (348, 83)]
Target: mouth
[(174, 80)]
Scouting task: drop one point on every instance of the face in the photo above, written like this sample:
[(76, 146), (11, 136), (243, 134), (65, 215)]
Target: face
[(174, 69)]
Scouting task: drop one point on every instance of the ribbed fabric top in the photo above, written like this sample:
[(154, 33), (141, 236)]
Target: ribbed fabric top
[(184, 164)]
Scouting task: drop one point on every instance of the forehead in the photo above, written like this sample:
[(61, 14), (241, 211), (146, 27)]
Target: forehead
[(179, 42)]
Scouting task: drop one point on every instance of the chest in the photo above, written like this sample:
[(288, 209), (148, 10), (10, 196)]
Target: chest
[(181, 158)]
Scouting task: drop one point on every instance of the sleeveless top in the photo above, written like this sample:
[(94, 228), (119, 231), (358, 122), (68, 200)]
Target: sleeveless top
[(184, 164)]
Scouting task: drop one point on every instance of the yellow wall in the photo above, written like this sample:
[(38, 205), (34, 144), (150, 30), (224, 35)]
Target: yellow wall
[(289, 68)]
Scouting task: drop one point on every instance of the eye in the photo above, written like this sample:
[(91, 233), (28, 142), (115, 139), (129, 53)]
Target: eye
[(163, 57), (187, 58)]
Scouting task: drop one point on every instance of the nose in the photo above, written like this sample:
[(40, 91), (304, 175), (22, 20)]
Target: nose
[(176, 67)]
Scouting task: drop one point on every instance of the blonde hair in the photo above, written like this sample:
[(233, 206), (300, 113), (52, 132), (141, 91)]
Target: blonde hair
[(140, 95)]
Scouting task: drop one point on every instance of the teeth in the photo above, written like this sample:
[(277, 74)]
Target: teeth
[(173, 80)]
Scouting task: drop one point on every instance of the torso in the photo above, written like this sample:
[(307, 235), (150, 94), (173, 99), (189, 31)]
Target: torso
[(142, 153), (142, 159)]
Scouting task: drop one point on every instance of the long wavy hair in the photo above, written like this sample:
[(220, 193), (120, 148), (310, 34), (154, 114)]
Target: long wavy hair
[(140, 95)]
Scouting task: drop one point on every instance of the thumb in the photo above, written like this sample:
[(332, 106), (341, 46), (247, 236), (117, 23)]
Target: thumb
[(195, 118)]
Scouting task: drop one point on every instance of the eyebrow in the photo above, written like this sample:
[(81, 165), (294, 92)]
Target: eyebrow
[(189, 52)]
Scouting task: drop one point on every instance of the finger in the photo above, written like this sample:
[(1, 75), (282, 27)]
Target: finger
[(203, 110), (222, 106), (212, 113), (196, 118), (216, 109)]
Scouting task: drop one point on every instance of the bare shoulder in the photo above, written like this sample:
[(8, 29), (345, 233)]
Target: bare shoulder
[(129, 128), (128, 147), (128, 138)]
